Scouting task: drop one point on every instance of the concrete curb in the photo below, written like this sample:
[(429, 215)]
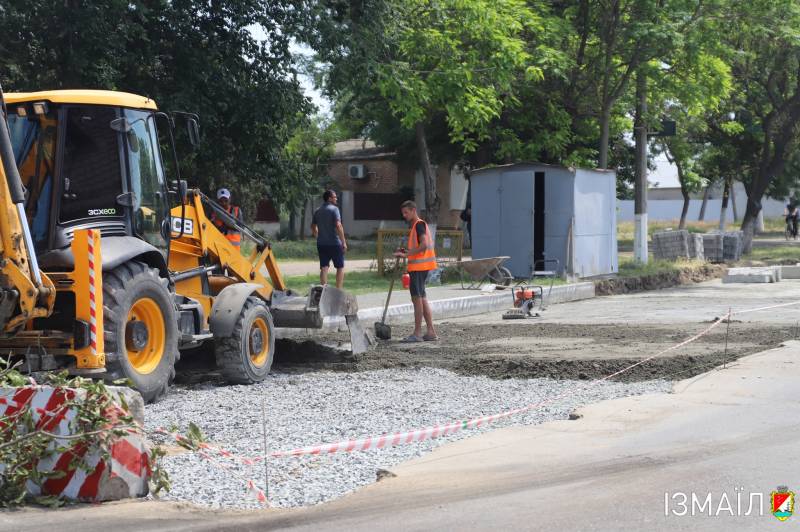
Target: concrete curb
[(476, 304), (454, 307)]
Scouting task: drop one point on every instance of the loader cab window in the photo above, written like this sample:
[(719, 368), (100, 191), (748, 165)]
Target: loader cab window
[(146, 177), (33, 138), (92, 177)]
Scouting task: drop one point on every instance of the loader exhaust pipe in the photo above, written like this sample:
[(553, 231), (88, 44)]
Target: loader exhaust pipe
[(16, 190)]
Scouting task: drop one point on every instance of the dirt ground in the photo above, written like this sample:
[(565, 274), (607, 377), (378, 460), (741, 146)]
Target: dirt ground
[(559, 351), (579, 340)]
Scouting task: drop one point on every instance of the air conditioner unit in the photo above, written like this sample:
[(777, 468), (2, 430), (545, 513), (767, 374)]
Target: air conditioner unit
[(357, 171)]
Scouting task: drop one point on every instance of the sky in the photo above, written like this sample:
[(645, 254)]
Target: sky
[(307, 84)]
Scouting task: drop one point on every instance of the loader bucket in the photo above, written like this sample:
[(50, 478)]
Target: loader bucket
[(322, 302)]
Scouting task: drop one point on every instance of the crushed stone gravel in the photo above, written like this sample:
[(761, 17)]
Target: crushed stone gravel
[(322, 407)]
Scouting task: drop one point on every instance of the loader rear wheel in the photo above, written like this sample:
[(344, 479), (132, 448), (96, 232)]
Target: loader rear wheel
[(141, 331), (246, 356)]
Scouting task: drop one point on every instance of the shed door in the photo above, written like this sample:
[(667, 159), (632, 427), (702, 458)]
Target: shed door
[(516, 211), (485, 201)]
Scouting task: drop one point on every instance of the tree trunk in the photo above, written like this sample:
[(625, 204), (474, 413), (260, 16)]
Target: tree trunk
[(303, 220), (702, 215), (733, 202), (686, 201), (293, 224), (605, 126), (723, 211), (749, 226), (431, 195)]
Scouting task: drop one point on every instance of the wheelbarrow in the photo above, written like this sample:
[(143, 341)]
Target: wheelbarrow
[(484, 271)]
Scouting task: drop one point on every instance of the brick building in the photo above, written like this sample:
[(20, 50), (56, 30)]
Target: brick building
[(372, 182)]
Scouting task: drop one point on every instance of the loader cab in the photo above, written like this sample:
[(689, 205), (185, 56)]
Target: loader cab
[(89, 159)]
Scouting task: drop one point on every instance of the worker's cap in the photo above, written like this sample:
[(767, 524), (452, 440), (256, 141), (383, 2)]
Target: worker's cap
[(223, 193)]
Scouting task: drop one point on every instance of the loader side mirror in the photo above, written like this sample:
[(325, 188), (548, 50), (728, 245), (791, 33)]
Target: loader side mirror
[(183, 189), (194, 132), (121, 125)]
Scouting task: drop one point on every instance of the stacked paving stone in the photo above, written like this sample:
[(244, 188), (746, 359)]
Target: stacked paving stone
[(671, 245), (713, 247), (680, 244), (732, 243), (697, 248)]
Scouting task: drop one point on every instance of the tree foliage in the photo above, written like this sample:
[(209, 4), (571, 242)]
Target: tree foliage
[(186, 55)]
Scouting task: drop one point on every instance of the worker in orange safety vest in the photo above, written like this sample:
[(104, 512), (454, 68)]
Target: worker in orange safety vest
[(421, 260), (224, 200)]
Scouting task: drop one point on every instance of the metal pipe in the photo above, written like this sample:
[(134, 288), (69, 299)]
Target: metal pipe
[(233, 222), (17, 191), (195, 272)]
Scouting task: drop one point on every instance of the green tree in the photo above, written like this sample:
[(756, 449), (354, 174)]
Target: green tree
[(766, 99), (458, 58), (186, 55)]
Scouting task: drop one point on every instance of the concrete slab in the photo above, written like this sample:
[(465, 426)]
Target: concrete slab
[(790, 272), (765, 274)]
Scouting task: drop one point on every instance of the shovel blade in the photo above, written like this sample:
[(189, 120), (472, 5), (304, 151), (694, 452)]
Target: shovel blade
[(360, 340)]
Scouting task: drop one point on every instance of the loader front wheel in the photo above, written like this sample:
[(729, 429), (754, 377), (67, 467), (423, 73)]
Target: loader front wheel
[(246, 356), (141, 331)]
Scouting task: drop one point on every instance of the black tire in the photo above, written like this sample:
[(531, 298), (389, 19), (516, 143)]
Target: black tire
[(501, 276), (246, 357), (128, 291)]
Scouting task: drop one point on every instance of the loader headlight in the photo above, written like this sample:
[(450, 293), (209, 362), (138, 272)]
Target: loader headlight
[(40, 108)]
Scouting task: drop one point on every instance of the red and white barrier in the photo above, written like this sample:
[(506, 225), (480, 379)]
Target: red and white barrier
[(123, 473)]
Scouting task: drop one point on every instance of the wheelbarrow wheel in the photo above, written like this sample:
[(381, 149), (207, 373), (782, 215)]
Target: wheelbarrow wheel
[(501, 276)]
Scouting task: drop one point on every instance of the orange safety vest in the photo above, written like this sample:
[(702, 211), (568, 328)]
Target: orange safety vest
[(233, 236), (425, 261)]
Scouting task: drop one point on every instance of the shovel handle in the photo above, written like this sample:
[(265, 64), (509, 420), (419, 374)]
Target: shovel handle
[(391, 286)]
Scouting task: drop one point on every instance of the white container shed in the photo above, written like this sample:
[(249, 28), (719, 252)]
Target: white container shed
[(536, 212)]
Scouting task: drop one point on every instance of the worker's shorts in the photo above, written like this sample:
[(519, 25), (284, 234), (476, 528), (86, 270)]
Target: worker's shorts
[(417, 286), (330, 253)]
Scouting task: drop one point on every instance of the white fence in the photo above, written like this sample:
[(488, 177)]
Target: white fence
[(671, 209)]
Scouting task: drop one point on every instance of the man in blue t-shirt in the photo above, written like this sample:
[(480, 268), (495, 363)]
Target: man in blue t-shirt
[(326, 225)]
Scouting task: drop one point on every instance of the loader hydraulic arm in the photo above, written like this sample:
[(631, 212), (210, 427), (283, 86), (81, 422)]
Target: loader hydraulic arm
[(25, 293)]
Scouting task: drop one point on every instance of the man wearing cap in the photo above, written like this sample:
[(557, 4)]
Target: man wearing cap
[(326, 225), (224, 200)]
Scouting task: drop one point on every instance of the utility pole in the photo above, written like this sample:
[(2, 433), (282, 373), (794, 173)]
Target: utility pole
[(640, 185)]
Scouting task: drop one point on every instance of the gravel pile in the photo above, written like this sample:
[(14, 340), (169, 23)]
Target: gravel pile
[(326, 407)]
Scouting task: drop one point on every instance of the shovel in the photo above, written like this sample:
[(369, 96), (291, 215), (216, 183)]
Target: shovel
[(383, 331)]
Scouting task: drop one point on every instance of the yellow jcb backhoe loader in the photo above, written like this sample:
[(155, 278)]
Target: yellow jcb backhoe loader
[(130, 269)]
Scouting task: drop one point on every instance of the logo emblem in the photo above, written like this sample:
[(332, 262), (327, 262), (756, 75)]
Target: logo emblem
[(782, 503), (187, 223)]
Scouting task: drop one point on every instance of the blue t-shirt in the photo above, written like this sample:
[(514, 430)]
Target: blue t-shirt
[(325, 219)]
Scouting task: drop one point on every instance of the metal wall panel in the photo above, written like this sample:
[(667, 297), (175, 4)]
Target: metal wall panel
[(485, 201), (516, 218)]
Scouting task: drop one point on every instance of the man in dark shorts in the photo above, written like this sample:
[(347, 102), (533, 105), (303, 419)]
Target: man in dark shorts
[(421, 260), (326, 225)]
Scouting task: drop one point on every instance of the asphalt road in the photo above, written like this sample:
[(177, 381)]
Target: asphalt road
[(732, 431)]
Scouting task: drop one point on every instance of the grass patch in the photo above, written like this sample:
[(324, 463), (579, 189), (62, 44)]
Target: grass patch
[(354, 282), (632, 268), (775, 253), (307, 249)]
